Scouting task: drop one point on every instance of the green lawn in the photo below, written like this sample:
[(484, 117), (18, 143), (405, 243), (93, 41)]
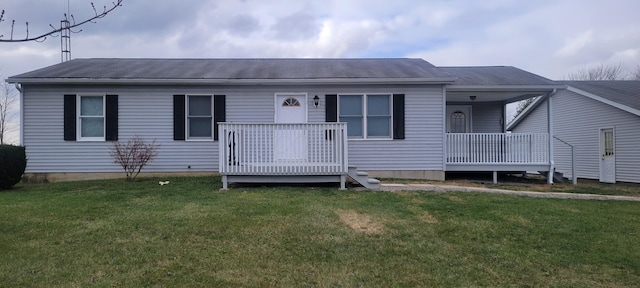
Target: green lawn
[(190, 234)]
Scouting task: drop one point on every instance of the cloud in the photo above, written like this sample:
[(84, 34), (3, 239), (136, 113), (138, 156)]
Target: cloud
[(297, 26), (548, 37), (574, 44), (243, 25)]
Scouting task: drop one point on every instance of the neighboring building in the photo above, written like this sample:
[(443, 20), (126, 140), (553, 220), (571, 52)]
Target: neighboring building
[(278, 119), (600, 119)]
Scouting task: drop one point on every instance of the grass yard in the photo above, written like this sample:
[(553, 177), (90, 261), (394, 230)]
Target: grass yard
[(190, 234)]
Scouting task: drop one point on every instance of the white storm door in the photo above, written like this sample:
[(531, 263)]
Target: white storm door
[(290, 141), (607, 156)]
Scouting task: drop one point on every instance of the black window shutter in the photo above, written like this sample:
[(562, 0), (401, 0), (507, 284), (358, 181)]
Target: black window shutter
[(111, 126), (178, 117), (219, 113), (70, 117), (331, 111), (398, 116)]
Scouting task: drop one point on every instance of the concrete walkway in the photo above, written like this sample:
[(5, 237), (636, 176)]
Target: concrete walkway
[(449, 188)]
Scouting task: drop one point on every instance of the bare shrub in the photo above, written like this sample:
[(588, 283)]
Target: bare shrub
[(134, 155)]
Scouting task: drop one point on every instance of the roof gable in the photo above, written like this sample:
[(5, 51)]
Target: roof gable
[(620, 94)]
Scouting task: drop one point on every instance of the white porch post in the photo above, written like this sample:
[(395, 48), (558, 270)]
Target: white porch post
[(550, 130)]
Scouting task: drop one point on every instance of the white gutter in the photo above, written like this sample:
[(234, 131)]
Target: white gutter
[(551, 173), (502, 88)]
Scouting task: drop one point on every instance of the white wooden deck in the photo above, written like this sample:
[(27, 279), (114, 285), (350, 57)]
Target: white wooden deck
[(251, 152), (497, 152)]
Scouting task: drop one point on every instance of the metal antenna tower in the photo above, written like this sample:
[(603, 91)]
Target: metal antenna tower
[(65, 37), (65, 40)]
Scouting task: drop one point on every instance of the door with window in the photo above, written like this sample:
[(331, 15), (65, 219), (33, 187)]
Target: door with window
[(607, 156), (458, 119), (290, 143)]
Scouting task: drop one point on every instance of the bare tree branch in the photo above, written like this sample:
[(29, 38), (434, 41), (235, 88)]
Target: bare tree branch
[(601, 72), (44, 36), (635, 75), (522, 105), (7, 101)]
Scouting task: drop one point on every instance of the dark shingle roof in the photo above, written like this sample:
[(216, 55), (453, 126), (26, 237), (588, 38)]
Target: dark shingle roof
[(624, 92), (236, 69), (494, 75)]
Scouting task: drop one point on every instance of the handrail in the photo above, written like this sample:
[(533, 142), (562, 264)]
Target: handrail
[(283, 149), (574, 177), (497, 148)]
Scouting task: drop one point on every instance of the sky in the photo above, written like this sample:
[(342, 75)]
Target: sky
[(551, 38)]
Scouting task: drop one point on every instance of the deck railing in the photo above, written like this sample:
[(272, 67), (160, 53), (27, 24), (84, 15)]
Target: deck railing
[(283, 149), (497, 148)]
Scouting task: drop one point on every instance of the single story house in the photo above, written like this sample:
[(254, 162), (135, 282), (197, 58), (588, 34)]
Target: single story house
[(279, 119), (599, 120)]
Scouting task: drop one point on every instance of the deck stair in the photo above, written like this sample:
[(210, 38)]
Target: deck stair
[(557, 176), (363, 178)]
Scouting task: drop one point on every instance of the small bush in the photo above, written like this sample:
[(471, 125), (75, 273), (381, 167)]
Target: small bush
[(13, 161), (134, 155)]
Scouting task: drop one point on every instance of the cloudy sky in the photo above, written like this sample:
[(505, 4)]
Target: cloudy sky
[(548, 37)]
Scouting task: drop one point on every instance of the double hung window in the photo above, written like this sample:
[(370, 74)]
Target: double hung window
[(199, 117), (368, 116), (91, 120)]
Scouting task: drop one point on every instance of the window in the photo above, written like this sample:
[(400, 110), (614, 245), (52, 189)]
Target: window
[(192, 116), (90, 117), (291, 102), (366, 115), (91, 124), (608, 143), (458, 122), (199, 117)]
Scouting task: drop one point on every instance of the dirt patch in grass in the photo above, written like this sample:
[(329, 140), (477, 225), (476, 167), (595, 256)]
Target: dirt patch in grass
[(427, 218), (360, 223)]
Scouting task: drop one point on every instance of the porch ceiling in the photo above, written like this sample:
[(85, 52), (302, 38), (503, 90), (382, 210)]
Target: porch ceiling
[(504, 94)]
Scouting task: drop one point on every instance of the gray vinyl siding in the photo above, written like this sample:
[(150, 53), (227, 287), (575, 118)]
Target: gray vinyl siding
[(148, 112), (535, 122), (143, 111), (578, 121), (486, 117), (421, 150)]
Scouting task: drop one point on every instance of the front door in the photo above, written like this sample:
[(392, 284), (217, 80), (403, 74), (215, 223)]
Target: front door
[(458, 119), (290, 141), (607, 156)]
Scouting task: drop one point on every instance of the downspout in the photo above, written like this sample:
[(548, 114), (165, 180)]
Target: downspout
[(550, 130), (21, 99), (444, 130)]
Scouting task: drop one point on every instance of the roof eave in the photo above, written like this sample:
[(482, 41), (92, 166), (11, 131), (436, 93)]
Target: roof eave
[(504, 88), (231, 81)]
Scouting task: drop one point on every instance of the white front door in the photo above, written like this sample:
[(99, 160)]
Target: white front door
[(607, 156), (290, 141), (458, 119)]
